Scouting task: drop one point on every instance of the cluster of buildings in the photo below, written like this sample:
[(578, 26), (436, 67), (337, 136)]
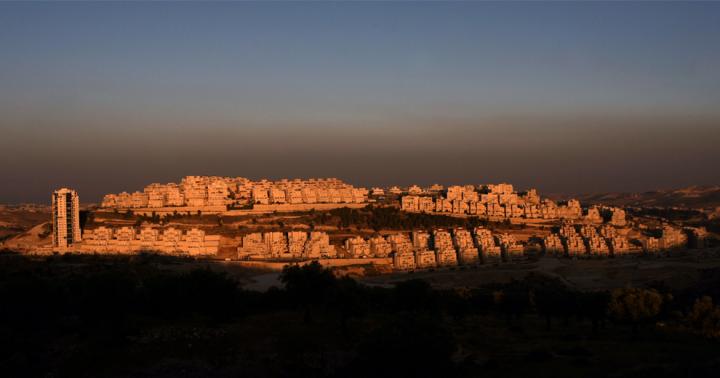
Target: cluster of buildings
[(595, 232), (310, 191), (213, 193), (586, 240), (422, 249), (412, 190), (573, 240), (171, 241), (192, 191), (501, 201), (67, 235), (670, 237), (286, 245)]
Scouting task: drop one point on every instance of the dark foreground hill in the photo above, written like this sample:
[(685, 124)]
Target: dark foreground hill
[(83, 316)]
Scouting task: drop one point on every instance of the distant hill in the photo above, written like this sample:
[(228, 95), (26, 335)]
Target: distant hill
[(696, 197), (18, 219)]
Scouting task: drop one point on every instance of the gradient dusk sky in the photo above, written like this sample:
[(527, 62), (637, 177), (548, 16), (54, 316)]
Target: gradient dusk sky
[(563, 96)]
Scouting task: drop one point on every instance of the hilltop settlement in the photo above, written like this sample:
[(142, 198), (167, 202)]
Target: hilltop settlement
[(273, 223)]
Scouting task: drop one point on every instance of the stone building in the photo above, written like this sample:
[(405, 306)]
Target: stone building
[(597, 246), (138, 199), (410, 203), (567, 229), (615, 216), (502, 188), (570, 210), (607, 231), (252, 247), (379, 247), (573, 242), (619, 245), (672, 238), (444, 248), (553, 246), (400, 243), (530, 196), (593, 215), (217, 193), (595, 243), (156, 195), (420, 240), (277, 245), (467, 252), (403, 252), (414, 189), (588, 231), (575, 246), (318, 246), (276, 196), (424, 258), (296, 243), (403, 260), (489, 251), (194, 190), (510, 248), (357, 247), (651, 245), (260, 196), (309, 195)]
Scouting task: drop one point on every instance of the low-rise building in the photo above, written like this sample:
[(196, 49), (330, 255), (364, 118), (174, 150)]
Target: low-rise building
[(379, 247), (651, 245), (424, 258), (593, 215), (574, 246), (489, 251), (467, 252), (404, 260), (511, 249), (318, 246), (444, 248), (553, 246), (619, 245), (277, 245), (357, 247)]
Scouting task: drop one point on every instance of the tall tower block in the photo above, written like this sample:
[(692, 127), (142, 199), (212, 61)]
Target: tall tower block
[(65, 217)]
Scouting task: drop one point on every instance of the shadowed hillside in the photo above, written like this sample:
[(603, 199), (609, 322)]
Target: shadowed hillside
[(132, 316)]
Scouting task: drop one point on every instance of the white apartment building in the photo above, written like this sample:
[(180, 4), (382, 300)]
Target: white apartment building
[(65, 218)]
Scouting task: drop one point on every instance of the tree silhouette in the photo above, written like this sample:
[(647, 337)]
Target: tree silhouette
[(705, 318), (635, 306)]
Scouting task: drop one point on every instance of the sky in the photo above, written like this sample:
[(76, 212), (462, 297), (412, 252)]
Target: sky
[(566, 97)]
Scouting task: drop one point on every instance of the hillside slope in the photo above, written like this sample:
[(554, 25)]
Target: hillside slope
[(696, 197)]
